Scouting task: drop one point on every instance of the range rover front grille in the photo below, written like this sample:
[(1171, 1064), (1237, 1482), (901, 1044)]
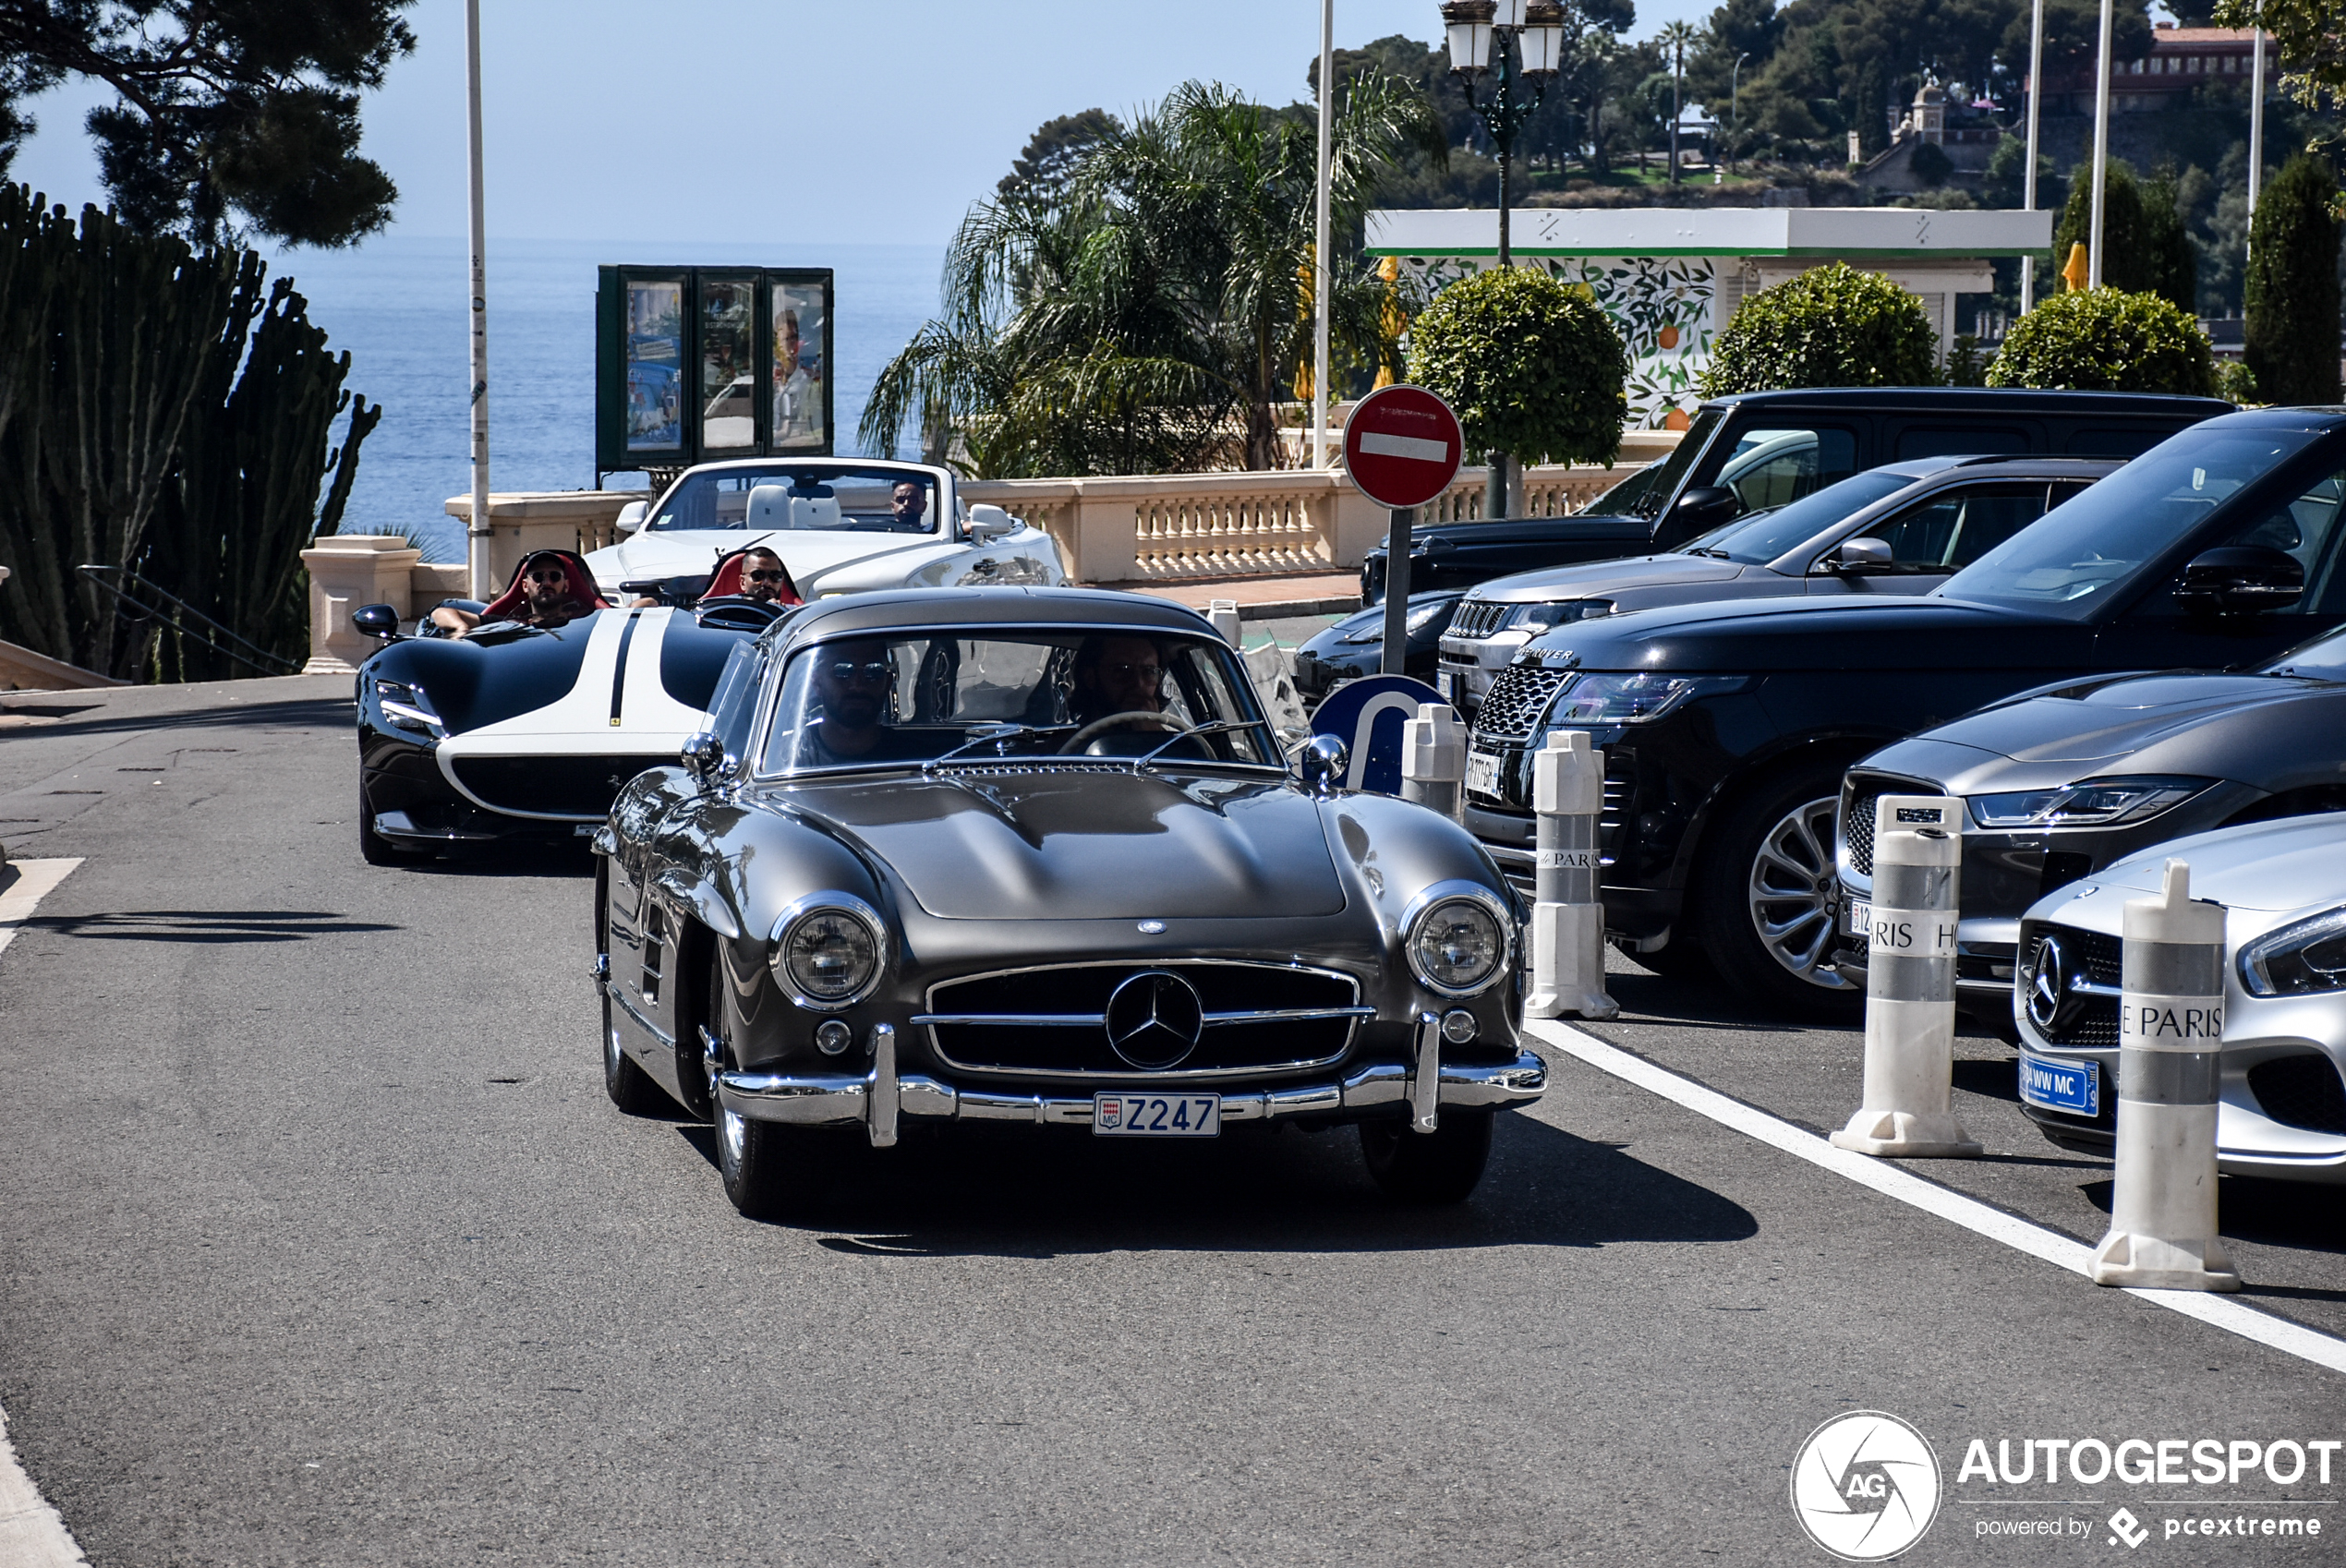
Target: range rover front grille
[(1519, 698), (1052, 1021)]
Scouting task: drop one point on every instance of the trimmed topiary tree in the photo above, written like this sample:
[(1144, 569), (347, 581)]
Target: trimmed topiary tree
[(2107, 340), (1530, 365), (1833, 326), (2292, 287)]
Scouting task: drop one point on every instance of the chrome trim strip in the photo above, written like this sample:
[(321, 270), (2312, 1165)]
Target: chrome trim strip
[(1142, 961), (619, 995), (840, 1099), (1099, 1020)]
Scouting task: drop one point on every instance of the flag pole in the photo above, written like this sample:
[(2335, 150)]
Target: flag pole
[(2101, 149), (476, 528), (2036, 93), (1322, 272)]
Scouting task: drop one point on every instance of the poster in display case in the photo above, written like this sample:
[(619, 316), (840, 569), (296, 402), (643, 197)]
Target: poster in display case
[(697, 364)]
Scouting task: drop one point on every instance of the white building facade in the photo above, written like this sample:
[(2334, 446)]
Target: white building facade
[(1672, 277)]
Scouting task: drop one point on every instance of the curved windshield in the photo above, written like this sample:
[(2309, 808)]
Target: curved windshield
[(2318, 658), (1764, 535), (820, 497), (2086, 550), (888, 700)]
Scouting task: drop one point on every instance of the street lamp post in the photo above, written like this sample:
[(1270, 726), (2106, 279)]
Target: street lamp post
[(2028, 180), (1528, 38)]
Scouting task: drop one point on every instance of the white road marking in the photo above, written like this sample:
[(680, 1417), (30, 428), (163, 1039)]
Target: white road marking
[(1416, 447), (31, 1533), (2225, 1313), (22, 894)]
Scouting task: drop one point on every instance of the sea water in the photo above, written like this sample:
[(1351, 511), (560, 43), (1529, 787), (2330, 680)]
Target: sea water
[(397, 303)]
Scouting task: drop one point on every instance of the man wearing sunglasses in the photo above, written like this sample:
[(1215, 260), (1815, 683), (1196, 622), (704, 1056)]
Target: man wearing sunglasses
[(1117, 675), (542, 596), (852, 683), (763, 578)]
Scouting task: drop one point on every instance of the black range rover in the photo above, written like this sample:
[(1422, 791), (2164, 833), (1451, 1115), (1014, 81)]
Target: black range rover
[(1726, 727)]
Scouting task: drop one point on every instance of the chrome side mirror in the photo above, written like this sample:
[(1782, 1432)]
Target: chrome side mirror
[(1860, 556), (704, 757), (1323, 764)]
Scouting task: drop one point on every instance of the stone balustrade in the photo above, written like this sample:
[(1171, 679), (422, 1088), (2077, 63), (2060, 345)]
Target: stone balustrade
[(1135, 528)]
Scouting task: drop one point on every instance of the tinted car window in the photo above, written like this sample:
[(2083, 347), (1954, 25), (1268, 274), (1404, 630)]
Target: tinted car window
[(1764, 537), (1940, 440), (789, 497), (2306, 528), (1774, 467), (1955, 527), (1673, 468), (2099, 541), (2323, 658)]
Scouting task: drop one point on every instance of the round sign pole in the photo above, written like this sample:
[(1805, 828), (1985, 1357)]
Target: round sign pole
[(1401, 447), (1397, 594)]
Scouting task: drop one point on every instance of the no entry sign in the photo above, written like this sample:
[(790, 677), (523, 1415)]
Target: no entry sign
[(1402, 446)]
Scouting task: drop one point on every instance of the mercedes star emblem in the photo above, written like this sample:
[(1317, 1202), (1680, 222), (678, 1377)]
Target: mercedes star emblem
[(1153, 1020), (2049, 984)]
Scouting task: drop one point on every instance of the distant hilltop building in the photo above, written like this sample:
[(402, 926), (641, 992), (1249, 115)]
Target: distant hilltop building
[(2182, 61)]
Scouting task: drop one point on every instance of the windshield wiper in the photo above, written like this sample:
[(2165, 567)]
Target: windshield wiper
[(982, 733), (1713, 554), (1218, 728)]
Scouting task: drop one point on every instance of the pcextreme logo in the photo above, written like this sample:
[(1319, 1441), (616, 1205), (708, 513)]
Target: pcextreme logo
[(1864, 1486)]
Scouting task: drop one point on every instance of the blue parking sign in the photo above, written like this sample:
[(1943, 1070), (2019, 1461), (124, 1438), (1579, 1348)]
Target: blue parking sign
[(1367, 716)]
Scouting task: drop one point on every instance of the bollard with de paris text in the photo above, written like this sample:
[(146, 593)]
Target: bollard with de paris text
[(2170, 1039), (1433, 757), (1568, 913), (1907, 1110)]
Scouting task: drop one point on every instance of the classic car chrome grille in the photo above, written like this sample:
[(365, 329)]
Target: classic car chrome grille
[(1518, 700), (555, 785), (1479, 618), (1051, 1022)]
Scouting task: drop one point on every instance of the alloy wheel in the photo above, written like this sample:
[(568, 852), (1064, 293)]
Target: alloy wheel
[(1793, 894)]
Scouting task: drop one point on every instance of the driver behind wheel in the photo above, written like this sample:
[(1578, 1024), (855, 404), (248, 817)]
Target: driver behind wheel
[(551, 588), (1117, 675), (851, 687)]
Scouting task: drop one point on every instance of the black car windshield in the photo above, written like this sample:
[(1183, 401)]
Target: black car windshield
[(1764, 535), (895, 698), (1673, 468), (2317, 658), (822, 497), (2087, 549)]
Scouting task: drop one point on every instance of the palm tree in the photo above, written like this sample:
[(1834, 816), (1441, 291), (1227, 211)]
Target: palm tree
[(1677, 38), (1123, 322)]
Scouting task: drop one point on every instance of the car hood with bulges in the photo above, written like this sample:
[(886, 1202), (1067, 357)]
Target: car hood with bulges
[(1008, 843)]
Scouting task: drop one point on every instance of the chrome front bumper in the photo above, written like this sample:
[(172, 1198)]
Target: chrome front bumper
[(879, 1099)]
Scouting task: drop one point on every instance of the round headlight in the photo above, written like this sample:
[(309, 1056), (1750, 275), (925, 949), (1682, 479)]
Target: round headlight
[(1456, 946), (826, 954)]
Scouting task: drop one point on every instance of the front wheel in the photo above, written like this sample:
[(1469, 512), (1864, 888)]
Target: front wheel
[(1769, 898), (1441, 1166), (373, 848), (630, 1087)]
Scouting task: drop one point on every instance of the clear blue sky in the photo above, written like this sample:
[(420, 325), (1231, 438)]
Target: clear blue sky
[(708, 120)]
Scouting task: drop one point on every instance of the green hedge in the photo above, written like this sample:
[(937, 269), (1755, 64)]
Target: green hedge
[(2291, 285), (1833, 326), (2107, 340), (1530, 365)]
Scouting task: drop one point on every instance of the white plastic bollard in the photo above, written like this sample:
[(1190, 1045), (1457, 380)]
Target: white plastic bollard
[(1567, 915), (1907, 1111), (1224, 614), (1433, 757), (2170, 1039)]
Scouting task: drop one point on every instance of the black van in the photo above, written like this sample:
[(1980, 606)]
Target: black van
[(1763, 449)]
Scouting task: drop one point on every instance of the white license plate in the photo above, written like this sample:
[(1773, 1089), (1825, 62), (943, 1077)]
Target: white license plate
[(1483, 774), (1446, 682), (1156, 1115), (1860, 913)]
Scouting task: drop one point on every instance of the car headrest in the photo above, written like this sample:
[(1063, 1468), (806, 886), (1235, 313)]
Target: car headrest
[(726, 582)]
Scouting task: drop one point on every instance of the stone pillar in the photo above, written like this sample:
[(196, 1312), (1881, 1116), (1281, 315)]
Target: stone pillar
[(347, 570)]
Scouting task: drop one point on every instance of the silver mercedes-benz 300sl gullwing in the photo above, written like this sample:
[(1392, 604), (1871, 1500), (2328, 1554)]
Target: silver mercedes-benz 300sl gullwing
[(1033, 856)]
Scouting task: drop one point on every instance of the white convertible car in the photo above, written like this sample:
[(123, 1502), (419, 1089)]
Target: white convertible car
[(841, 525)]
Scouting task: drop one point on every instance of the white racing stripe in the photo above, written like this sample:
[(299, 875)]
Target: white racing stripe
[(2225, 1312), (1416, 447), (21, 893)]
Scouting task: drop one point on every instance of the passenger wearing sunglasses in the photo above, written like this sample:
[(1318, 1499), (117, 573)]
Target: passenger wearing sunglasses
[(764, 579), (543, 595)]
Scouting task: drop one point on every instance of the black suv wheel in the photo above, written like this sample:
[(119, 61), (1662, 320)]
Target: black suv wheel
[(1769, 899)]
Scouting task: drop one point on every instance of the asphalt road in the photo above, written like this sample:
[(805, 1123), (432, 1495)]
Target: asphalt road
[(321, 1245)]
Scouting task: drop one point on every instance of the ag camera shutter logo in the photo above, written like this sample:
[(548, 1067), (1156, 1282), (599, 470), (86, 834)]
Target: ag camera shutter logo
[(1864, 1486)]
